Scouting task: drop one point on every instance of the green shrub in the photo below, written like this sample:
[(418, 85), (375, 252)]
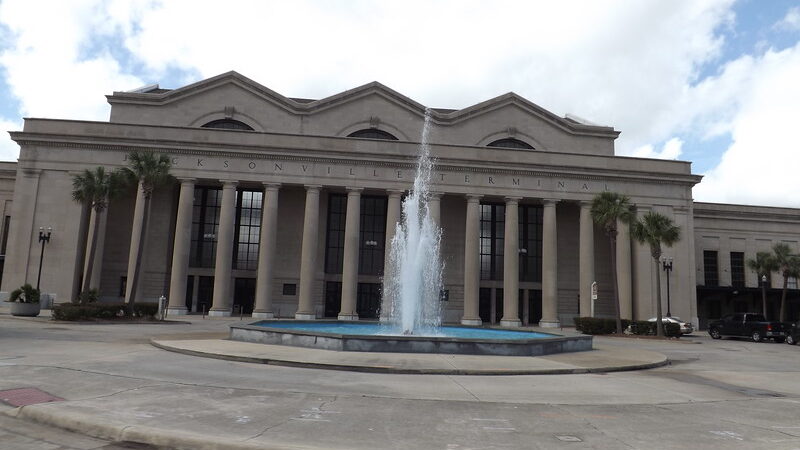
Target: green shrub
[(598, 325), (105, 311), (24, 294), (85, 297), (646, 328)]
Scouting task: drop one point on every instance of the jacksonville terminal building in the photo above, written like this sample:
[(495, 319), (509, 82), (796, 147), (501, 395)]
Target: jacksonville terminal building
[(283, 207)]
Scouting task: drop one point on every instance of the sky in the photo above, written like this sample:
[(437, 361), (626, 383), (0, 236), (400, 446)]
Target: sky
[(714, 82)]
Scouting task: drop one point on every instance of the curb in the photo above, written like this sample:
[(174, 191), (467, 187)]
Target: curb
[(101, 428), (663, 360)]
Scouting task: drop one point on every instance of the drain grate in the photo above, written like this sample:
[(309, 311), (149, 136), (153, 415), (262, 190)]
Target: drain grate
[(27, 396)]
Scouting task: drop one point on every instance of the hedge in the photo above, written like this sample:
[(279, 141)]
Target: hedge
[(108, 311), (597, 325), (642, 328)]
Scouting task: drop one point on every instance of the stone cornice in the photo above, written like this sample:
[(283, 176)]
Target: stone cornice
[(315, 106)]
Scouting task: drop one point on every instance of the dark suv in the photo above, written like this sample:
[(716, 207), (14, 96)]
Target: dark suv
[(752, 325)]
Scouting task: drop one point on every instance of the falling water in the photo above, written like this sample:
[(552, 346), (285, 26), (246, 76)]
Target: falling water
[(413, 278)]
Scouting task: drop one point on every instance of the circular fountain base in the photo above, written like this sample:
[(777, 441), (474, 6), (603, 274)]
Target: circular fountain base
[(509, 343)]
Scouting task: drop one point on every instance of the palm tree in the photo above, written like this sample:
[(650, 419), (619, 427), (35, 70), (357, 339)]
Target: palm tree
[(149, 170), (607, 209), (789, 266), (95, 188), (763, 265), (655, 230)]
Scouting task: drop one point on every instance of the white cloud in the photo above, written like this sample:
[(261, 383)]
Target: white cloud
[(9, 150), (761, 165), (791, 21), (671, 149)]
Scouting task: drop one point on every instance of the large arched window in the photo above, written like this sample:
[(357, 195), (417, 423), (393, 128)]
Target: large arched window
[(228, 124), (510, 143), (373, 133)]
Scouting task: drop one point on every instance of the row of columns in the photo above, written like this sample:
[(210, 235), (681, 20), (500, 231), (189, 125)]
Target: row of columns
[(306, 310)]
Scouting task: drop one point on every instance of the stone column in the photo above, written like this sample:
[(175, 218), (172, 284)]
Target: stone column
[(549, 266), (266, 252), (472, 269), (511, 265), (136, 231), (305, 307), (435, 207), (624, 270), (99, 248), (221, 302), (393, 211), (352, 239), (586, 256), (181, 248)]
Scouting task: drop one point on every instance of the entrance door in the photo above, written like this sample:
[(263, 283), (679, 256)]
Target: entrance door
[(189, 292), (368, 304), (333, 298), (244, 295), (205, 292)]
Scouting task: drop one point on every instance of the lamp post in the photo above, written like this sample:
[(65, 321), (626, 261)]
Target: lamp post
[(43, 239), (764, 295), (666, 263)]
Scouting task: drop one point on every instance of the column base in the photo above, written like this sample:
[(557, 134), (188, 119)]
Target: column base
[(177, 311), (219, 313), (263, 315), (305, 316), (549, 323), (512, 323), (471, 322), (349, 317)]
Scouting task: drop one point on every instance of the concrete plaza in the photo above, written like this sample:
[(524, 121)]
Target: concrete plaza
[(117, 386)]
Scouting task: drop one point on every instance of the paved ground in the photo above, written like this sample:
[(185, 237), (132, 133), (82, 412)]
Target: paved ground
[(116, 386)]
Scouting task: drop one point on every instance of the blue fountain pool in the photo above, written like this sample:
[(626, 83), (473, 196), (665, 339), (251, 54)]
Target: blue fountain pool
[(376, 337)]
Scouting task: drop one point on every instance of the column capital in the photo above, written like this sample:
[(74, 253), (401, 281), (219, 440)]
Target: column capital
[(186, 180), (395, 192), (512, 199), (354, 189), (436, 194), (550, 201), (229, 183), (313, 187), (585, 203), (474, 198), (269, 186)]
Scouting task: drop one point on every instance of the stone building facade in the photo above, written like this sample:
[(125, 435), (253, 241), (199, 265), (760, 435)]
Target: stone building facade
[(284, 207)]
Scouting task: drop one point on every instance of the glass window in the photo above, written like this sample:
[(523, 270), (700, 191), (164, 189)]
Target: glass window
[(737, 269), (205, 222), (530, 242), (248, 229), (373, 133), (228, 124), (510, 143), (492, 228), (710, 268), (372, 232), (334, 246)]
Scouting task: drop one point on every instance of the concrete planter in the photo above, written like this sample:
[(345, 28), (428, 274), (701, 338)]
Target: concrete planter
[(24, 309)]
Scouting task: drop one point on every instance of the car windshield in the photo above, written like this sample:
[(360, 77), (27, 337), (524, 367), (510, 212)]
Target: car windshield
[(756, 318)]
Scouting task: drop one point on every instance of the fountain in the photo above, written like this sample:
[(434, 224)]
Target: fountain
[(411, 310)]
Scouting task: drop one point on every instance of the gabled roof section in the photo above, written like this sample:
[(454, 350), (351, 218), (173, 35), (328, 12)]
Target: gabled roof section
[(302, 106)]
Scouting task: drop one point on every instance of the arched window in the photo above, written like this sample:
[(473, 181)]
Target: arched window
[(228, 124), (510, 143), (373, 133)]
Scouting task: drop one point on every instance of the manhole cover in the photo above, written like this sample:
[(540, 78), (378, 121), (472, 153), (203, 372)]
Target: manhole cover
[(566, 438), (27, 396)]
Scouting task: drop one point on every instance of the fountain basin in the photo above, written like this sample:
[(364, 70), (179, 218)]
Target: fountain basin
[(374, 337)]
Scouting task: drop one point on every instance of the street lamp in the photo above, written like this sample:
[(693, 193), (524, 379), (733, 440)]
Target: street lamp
[(43, 239), (666, 263), (764, 294)]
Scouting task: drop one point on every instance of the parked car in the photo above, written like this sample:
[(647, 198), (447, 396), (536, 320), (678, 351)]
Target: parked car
[(686, 327), (793, 333), (752, 325)]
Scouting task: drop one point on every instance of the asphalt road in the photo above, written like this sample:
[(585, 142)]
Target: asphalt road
[(730, 393)]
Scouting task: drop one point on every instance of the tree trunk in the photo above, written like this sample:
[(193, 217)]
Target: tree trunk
[(87, 276), (139, 253), (659, 322), (783, 296), (613, 239)]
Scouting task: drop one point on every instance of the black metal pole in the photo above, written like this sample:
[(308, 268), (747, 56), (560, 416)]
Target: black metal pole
[(669, 269), (41, 259)]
